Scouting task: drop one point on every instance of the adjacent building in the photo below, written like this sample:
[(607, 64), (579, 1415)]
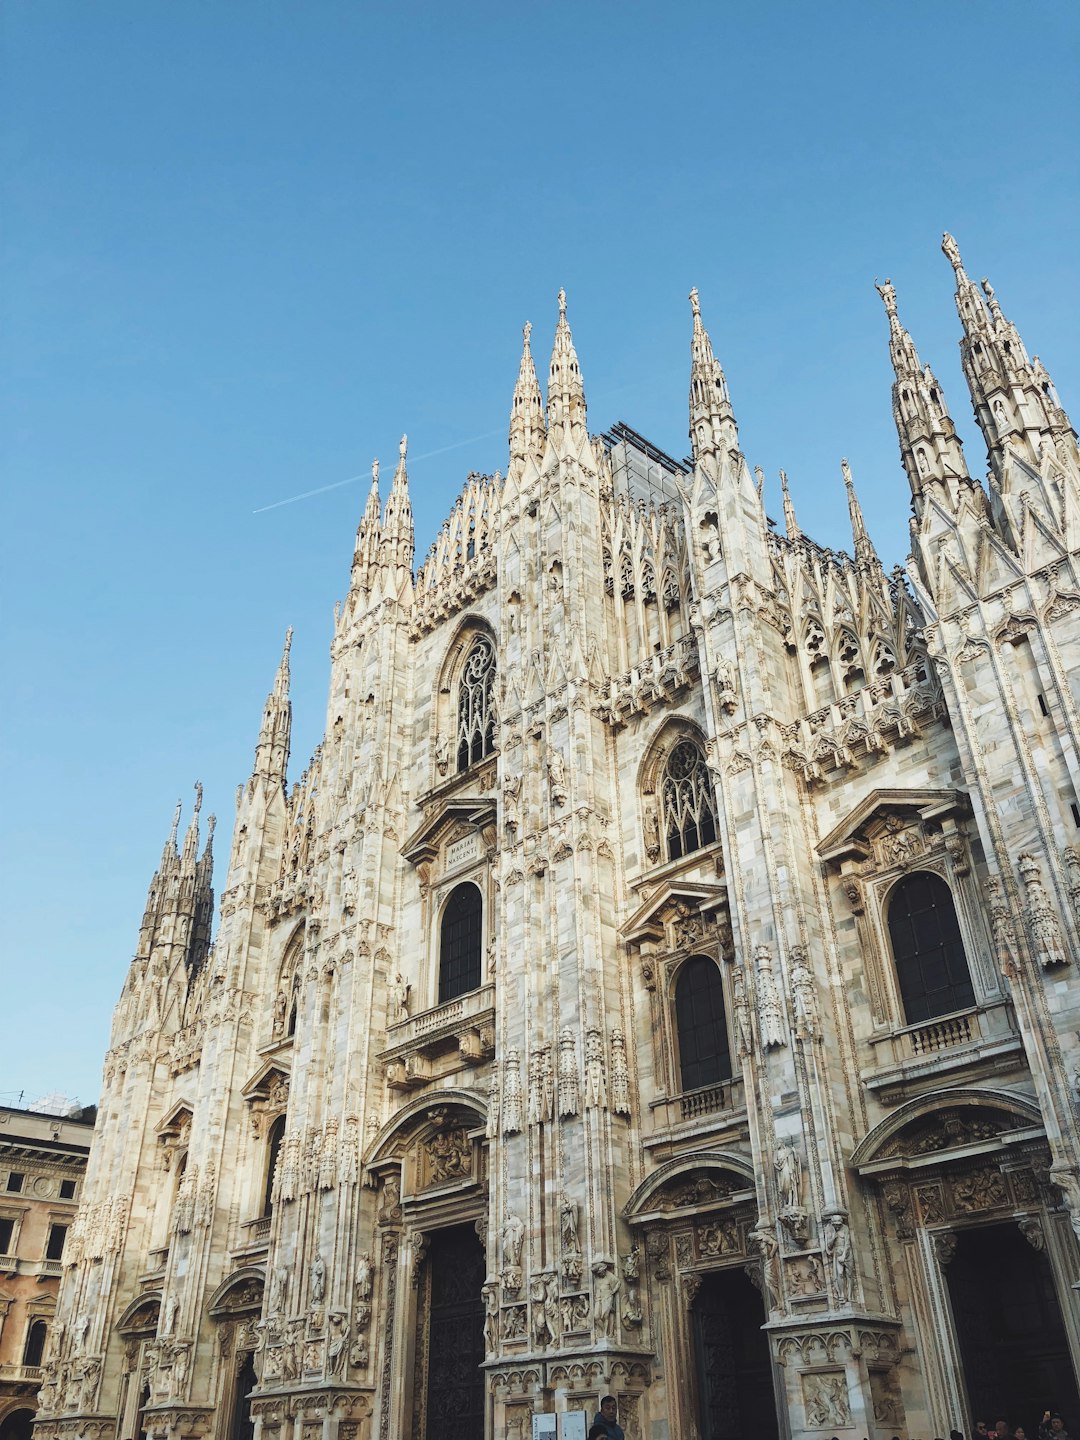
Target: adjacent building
[(42, 1166), (662, 979)]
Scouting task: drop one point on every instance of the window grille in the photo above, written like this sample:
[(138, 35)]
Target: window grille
[(931, 967), (689, 808), (704, 1055), (461, 943), (476, 705)]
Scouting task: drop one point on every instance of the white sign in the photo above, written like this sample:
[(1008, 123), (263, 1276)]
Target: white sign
[(544, 1427), (572, 1425), (462, 850)]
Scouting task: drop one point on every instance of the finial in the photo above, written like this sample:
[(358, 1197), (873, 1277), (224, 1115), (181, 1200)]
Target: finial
[(198, 798), (403, 446), (375, 473), (888, 294), (562, 303), (759, 476), (695, 305), (526, 331), (952, 252), (175, 822), (288, 642), (846, 468), (791, 525)]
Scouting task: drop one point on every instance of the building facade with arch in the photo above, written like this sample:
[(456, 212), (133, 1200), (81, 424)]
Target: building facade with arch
[(660, 981)]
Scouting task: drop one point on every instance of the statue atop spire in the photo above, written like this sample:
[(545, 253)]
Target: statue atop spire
[(566, 411), (865, 554), (713, 432), (398, 518), (791, 525), (527, 430), (929, 447), (272, 750)]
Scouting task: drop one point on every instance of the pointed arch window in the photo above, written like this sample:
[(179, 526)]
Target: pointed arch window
[(273, 1149), (476, 705), (701, 1022), (461, 942), (928, 950), (688, 802)]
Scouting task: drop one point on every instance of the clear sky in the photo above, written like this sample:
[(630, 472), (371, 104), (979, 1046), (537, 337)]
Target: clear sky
[(247, 245)]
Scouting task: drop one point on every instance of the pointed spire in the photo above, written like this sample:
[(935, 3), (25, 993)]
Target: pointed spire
[(527, 432), (929, 446), (272, 750), (191, 839), (713, 431), (1013, 398), (170, 843), (566, 410), (398, 518), (374, 504), (791, 525), (865, 554)]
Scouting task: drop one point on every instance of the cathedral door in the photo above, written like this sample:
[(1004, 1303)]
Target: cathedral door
[(246, 1380), (1009, 1328), (734, 1366), (455, 1381)]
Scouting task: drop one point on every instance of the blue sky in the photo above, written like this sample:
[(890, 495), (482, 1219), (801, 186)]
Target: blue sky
[(248, 245)]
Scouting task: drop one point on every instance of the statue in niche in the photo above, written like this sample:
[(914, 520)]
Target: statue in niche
[(512, 803), (556, 769), (652, 831), (605, 1298), (803, 998), (172, 1308), (365, 1276), (399, 997), (317, 1278), (279, 1285), (442, 753), (788, 1175), (836, 1242), (338, 1344), (568, 1213), (490, 1292), (595, 1087)]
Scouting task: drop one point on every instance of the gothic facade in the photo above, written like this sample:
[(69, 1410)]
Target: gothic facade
[(661, 980)]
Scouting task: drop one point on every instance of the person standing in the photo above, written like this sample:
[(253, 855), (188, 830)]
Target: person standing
[(608, 1417)]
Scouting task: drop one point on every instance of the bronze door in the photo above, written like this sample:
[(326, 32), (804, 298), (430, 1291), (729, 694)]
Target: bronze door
[(455, 1381), (734, 1367), (1009, 1328)]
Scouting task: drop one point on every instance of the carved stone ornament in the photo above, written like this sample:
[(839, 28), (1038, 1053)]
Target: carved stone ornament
[(944, 1246), (569, 1093), (1030, 1227), (825, 1401), (806, 1021), (511, 1096), (595, 1079), (449, 1155), (1044, 927), (620, 1075), (770, 1011)]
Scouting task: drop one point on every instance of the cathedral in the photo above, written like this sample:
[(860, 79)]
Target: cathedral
[(659, 982)]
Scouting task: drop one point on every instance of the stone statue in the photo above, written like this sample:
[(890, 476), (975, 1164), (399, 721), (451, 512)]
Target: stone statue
[(556, 769), (513, 1237), (442, 753), (788, 1176), (568, 1226), (338, 1343), (364, 1276), (605, 1298), (836, 1241), (803, 998), (399, 997), (172, 1306), (595, 1087), (279, 1285), (490, 1292), (317, 1276)]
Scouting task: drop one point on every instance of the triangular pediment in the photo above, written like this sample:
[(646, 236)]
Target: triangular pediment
[(442, 818), (647, 921), (176, 1120), (849, 837), (268, 1076)]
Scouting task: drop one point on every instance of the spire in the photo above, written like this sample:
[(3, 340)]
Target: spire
[(712, 422), (398, 518), (930, 449), (170, 851), (527, 407), (272, 751), (566, 394), (791, 525), (191, 839), (1013, 397), (367, 533), (865, 554)]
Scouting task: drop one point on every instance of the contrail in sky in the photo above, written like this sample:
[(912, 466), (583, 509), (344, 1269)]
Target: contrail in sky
[(414, 459)]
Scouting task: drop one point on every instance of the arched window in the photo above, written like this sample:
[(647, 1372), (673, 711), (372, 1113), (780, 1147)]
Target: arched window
[(34, 1348), (476, 705), (931, 967), (704, 1057), (461, 942), (273, 1150), (687, 796)]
